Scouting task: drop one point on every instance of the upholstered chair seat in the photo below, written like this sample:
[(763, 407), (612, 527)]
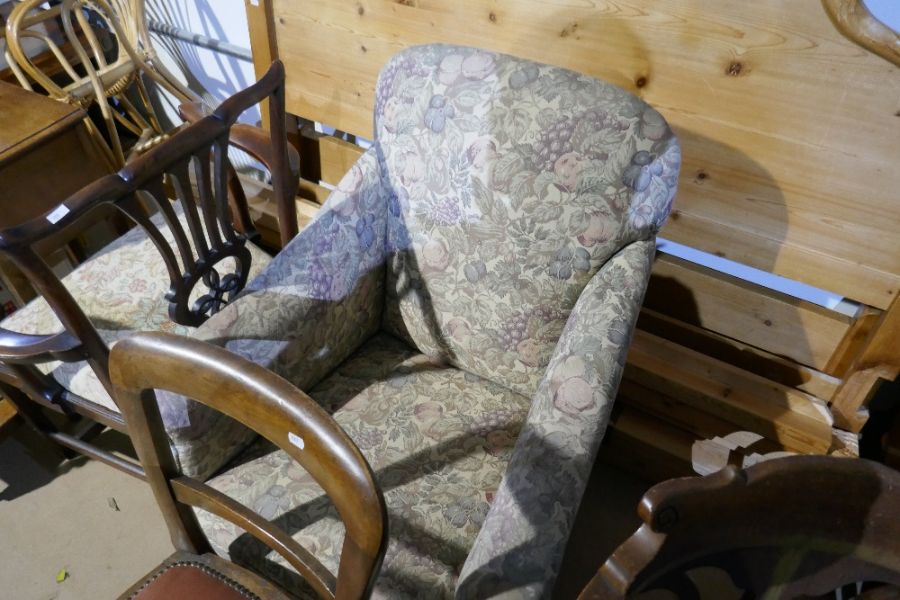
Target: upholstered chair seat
[(462, 305)]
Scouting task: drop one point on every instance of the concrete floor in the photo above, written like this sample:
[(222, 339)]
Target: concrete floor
[(98, 523), (104, 529)]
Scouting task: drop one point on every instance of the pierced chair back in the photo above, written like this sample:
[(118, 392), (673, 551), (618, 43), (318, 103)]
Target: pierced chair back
[(801, 526), (105, 53), (278, 411), (203, 231)]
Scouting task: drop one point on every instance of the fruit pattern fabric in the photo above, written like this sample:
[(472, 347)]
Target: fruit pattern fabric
[(511, 183), (503, 226)]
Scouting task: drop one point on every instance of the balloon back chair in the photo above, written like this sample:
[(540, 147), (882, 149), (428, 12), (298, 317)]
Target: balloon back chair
[(462, 305), (171, 273), (796, 527), (102, 58), (287, 418)]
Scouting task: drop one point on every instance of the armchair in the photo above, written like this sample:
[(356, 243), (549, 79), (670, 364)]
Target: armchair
[(170, 273), (462, 305)]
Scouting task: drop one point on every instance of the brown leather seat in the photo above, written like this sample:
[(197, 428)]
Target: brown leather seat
[(186, 576), (190, 580)]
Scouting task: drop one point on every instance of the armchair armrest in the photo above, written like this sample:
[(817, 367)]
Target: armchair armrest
[(312, 306), (27, 348), (322, 295), (520, 546)]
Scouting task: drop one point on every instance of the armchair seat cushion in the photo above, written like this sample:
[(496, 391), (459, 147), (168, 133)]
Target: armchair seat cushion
[(439, 440), (121, 289)]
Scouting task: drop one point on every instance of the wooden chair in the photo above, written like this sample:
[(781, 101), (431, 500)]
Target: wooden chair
[(105, 55), (166, 274), (798, 526), (284, 416)]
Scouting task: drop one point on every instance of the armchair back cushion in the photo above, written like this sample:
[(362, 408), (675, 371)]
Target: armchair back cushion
[(510, 184)]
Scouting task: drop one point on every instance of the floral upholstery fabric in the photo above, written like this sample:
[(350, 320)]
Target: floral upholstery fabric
[(318, 300), (512, 184), (502, 226), (322, 295), (122, 289), (438, 439), (519, 548)]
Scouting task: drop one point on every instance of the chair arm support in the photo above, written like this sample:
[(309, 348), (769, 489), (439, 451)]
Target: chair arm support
[(27, 348), (520, 546), (253, 140)]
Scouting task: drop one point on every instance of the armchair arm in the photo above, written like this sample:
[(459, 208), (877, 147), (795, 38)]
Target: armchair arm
[(518, 551), (322, 295), (28, 348), (310, 308)]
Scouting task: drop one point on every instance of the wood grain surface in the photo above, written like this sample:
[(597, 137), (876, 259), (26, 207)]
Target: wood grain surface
[(790, 131)]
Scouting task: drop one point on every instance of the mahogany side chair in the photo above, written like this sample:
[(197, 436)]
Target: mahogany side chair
[(801, 526), (283, 415), (174, 270)]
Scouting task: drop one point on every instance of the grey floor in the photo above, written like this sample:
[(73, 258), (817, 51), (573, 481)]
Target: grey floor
[(100, 525), (104, 529)]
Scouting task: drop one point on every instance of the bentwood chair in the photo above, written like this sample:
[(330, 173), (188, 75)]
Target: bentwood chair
[(796, 527), (170, 273), (105, 55), (462, 305), (284, 416)]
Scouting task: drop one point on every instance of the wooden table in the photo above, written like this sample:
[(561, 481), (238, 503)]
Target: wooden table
[(46, 154)]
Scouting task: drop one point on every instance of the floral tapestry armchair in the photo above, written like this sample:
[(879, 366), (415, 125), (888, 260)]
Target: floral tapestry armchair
[(462, 305)]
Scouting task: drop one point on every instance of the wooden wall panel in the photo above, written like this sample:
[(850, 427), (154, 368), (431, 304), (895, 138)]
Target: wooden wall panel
[(791, 133), (774, 322)]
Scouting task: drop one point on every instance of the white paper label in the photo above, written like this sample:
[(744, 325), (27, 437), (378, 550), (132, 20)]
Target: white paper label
[(58, 213), (296, 440)]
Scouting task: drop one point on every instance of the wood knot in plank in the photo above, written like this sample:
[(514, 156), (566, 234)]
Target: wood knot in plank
[(641, 81), (360, 10), (734, 69), (492, 17), (568, 30)]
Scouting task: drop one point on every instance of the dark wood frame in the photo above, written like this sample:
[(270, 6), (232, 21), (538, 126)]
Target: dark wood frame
[(225, 219), (281, 413), (822, 522)]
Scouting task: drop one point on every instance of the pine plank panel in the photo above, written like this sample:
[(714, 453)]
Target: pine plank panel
[(833, 273), (774, 322), (752, 359), (798, 421), (761, 94)]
